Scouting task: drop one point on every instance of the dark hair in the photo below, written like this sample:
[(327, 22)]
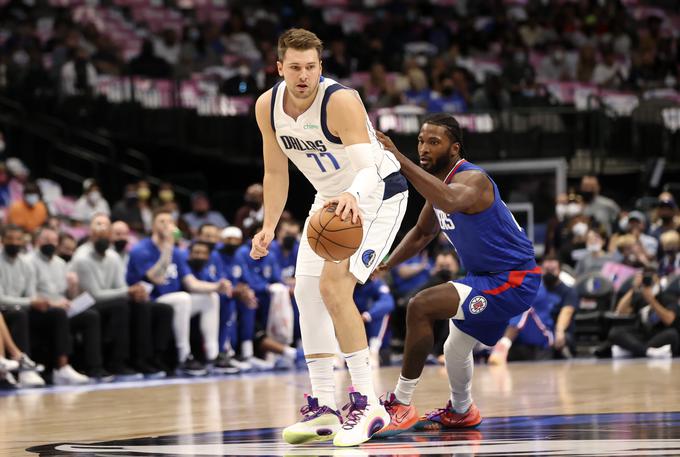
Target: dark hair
[(160, 211), (199, 243), (453, 130), (298, 39), (551, 256)]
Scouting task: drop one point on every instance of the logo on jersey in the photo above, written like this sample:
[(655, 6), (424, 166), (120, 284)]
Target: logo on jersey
[(368, 257), (310, 126), (477, 304), (290, 142)]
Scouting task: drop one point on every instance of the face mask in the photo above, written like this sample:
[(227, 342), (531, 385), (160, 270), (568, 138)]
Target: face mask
[(94, 197), (587, 195), (65, 257), (288, 242), (143, 193), (579, 229), (666, 219), (229, 249), (12, 250), (594, 247), (445, 275), (211, 246), (561, 211), (197, 264), (120, 245), (166, 195), (447, 91), (48, 250), (32, 199), (573, 209), (550, 279), (252, 204), (101, 245)]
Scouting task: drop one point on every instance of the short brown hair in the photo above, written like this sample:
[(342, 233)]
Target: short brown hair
[(300, 39)]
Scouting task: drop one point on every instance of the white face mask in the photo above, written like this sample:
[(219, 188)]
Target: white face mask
[(561, 211), (32, 199), (594, 247), (573, 209), (94, 197), (580, 229)]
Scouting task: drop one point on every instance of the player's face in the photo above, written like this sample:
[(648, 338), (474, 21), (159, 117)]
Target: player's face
[(301, 70), (435, 149)]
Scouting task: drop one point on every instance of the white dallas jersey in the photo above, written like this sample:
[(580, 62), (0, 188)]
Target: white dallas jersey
[(314, 150)]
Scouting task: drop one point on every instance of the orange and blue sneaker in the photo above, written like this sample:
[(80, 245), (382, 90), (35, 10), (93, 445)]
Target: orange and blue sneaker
[(402, 417), (447, 418), (319, 423)]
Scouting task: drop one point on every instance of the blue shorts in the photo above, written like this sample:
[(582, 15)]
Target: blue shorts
[(495, 299)]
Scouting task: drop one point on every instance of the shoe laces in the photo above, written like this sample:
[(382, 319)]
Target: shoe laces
[(440, 411), (312, 409), (356, 406), (389, 402)]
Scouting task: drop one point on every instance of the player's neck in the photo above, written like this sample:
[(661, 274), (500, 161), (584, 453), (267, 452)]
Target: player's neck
[(294, 107), (447, 170)]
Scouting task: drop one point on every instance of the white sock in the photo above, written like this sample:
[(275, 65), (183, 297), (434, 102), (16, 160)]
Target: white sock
[(663, 352), (247, 349), (405, 388), (359, 367), (323, 381), (290, 353)]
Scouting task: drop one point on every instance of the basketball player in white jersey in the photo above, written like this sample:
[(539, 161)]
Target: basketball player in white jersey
[(322, 127)]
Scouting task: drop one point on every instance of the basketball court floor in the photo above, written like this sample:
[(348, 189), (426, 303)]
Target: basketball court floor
[(579, 408)]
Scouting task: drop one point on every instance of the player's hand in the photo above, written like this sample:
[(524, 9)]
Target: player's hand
[(380, 271), (261, 242), (347, 203), (387, 142), (63, 303), (225, 287), (366, 316)]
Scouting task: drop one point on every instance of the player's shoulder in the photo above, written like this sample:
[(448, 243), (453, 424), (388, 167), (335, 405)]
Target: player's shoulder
[(264, 100), (344, 96)]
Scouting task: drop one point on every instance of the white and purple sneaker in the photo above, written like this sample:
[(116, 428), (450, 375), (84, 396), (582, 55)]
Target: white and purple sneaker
[(320, 423), (363, 420)]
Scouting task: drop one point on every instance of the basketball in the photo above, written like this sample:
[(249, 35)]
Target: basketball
[(331, 237)]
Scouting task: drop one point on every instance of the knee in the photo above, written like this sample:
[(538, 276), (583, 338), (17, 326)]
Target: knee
[(416, 308), (58, 314), (331, 295)]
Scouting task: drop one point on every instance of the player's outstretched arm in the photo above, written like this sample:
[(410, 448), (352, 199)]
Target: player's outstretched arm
[(275, 182), (416, 239), (465, 194)]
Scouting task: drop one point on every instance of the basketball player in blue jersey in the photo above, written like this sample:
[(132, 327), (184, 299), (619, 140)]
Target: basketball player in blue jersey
[(322, 127), (502, 279)]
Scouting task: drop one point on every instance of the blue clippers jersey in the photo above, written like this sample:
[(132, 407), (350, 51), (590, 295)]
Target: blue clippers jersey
[(487, 242)]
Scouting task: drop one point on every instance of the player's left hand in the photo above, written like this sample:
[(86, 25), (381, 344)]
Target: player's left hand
[(387, 142), (347, 204)]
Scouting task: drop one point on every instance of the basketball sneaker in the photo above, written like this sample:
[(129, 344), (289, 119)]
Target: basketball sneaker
[(447, 418), (320, 423), (362, 422), (402, 417)]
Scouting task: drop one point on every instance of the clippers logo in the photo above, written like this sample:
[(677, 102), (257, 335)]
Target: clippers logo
[(368, 257), (477, 304)]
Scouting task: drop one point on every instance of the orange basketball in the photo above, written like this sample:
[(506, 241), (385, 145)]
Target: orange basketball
[(331, 237)]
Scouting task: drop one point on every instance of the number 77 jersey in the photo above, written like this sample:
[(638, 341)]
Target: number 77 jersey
[(487, 242), (316, 152)]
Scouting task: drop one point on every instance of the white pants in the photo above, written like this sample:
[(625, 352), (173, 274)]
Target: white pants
[(186, 306)]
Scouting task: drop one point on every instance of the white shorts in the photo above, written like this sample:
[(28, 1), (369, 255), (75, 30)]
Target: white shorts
[(381, 222)]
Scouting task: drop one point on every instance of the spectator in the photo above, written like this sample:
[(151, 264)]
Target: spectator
[(252, 211), (90, 203), (492, 96), (670, 260), (449, 100), (157, 260), (78, 75), (634, 224), (201, 213), (338, 64), (631, 250), (609, 73), (418, 92), (604, 210), (587, 61), (100, 273), (144, 204), (666, 213), (66, 247), (655, 334), (59, 287), (30, 212), (120, 239), (167, 200), (133, 208), (25, 311), (379, 92), (167, 46), (556, 66), (596, 256), (242, 83), (547, 328), (148, 65)]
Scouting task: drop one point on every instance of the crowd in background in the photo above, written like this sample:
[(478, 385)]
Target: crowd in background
[(92, 290), (481, 55)]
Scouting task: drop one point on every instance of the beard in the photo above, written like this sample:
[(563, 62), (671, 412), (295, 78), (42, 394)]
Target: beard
[(442, 163)]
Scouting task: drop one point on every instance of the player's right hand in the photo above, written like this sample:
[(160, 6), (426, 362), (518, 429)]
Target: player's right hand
[(261, 242)]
